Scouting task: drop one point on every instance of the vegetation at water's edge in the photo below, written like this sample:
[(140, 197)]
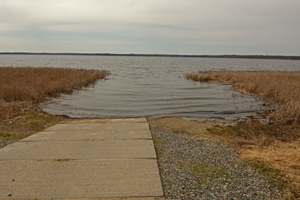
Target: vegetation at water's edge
[(274, 87), (23, 86)]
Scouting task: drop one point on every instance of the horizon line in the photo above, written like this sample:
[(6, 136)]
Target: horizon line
[(164, 55)]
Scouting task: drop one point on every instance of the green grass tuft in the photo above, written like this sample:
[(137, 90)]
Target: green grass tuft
[(204, 172)]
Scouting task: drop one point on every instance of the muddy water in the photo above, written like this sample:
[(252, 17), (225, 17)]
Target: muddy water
[(150, 86)]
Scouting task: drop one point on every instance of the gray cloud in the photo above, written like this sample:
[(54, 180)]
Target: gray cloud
[(182, 23)]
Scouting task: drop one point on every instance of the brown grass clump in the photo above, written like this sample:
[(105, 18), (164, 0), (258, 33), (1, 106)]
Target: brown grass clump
[(23, 86), (273, 87), (272, 149), (282, 155)]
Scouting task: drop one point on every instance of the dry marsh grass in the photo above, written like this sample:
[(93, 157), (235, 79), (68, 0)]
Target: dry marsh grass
[(273, 87), (26, 85), (282, 156)]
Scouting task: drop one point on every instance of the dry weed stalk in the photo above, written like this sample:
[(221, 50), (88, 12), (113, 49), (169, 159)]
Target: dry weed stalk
[(279, 90)]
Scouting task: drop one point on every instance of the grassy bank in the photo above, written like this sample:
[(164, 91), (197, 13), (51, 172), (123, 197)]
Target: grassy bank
[(276, 143), (23, 87)]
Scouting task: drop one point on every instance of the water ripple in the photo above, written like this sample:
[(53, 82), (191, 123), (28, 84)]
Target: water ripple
[(150, 86)]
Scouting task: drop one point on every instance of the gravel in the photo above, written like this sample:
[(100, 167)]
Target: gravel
[(193, 168), (4, 143)]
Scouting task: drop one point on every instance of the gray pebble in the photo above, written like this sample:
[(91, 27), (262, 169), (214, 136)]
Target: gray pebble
[(193, 168), (4, 143)]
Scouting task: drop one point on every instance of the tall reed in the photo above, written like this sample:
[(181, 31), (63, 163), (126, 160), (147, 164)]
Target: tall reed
[(38, 84), (274, 87)]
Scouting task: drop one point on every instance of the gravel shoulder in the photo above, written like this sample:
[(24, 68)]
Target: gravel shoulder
[(195, 164), (193, 168)]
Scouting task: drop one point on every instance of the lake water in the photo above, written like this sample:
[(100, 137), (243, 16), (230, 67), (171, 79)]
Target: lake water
[(150, 86)]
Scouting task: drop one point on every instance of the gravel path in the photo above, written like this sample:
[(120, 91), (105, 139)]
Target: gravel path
[(4, 143), (193, 168)]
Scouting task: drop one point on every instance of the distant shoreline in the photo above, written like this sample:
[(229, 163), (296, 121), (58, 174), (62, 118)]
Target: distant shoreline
[(163, 55)]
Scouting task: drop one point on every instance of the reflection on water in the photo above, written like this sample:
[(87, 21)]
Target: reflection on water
[(150, 86)]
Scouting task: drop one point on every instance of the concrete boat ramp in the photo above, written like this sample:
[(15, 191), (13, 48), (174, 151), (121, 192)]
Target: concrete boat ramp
[(83, 159)]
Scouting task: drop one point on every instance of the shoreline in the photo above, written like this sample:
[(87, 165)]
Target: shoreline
[(277, 57)]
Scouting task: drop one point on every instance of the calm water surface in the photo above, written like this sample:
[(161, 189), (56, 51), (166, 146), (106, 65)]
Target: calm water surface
[(150, 86)]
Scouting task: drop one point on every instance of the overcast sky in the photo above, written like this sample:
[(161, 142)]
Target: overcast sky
[(270, 27)]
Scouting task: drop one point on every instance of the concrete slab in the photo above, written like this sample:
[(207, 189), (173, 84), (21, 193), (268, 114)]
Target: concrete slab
[(98, 159), (121, 120), (108, 149), (121, 198), (115, 134), (99, 126), (94, 198), (79, 179)]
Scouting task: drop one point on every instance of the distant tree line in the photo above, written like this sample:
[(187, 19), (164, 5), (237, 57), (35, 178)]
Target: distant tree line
[(163, 55)]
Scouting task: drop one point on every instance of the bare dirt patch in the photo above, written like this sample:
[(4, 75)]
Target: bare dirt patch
[(186, 128)]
